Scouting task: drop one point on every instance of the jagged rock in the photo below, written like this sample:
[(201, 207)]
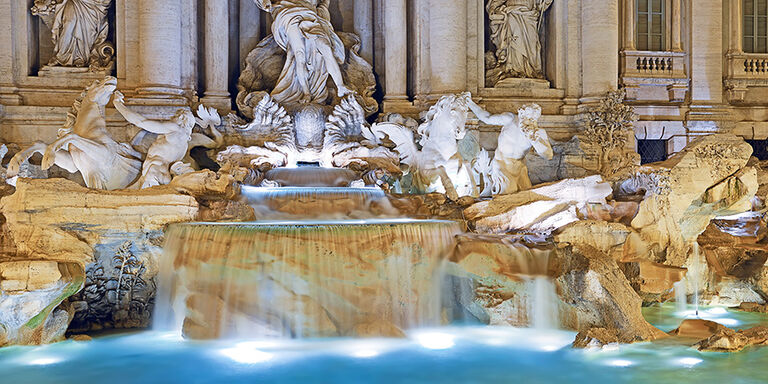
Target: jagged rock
[(615, 211), (102, 235), (501, 269), (736, 247), (377, 328), (431, 205), (30, 317), (607, 237), (80, 338), (730, 292), (698, 329), (683, 194), (207, 185), (596, 338), (728, 340), (753, 307), (590, 289), (539, 210), (652, 281), (596, 294), (225, 210)]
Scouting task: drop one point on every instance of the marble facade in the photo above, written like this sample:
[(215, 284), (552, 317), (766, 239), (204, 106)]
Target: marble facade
[(176, 53)]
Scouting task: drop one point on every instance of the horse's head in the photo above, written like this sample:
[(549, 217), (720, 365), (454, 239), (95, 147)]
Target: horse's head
[(100, 91), (44, 7), (447, 117)]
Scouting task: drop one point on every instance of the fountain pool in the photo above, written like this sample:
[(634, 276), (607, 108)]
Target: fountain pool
[(443, 355)]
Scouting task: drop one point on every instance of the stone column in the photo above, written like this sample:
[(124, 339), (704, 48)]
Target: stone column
[(599, 47), (395, 51), (216, 55), (629, 25), (735, 42), (250, 29), (7, 89), (448, 46), (160, 52), (364, 27), (677, 27), (707, 52)]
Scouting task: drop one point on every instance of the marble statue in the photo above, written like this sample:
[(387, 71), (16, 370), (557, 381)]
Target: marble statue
[(79, 30), (304, 61), (520, 133), (438, 166), (170, 147), (350, 142), (314, 51), (84, 144), (515, 27), (268, 141)]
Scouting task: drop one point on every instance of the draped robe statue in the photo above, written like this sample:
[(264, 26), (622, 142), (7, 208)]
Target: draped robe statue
[(79, 31), (302, 28), (515, 26)]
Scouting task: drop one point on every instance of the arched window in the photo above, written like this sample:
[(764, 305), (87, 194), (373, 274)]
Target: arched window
[(651, 25), (755, 26)]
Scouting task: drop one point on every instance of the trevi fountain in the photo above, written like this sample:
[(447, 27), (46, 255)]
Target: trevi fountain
[(383, 191)]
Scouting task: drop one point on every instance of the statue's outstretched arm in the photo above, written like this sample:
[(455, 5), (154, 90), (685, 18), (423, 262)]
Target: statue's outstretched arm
[(487, 117), (154, 126)]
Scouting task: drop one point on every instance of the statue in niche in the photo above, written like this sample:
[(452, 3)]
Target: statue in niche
[(84, 144), (515, 26), (305, 61), (302, 28), (507, 172), (170, 147), (79, 30)]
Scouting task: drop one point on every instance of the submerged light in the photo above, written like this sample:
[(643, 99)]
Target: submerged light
[(245, 354), (435, 340)]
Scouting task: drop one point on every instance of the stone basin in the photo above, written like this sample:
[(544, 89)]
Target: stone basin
[(312, 177)]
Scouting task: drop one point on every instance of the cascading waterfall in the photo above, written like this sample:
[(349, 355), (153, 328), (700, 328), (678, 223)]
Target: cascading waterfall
[(696, 275), (681, 296), (540, 292), (302, 279), (544, 302)]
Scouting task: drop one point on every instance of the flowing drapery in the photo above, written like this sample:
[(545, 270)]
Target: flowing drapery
[(515, 28), (312, 21), (80, 27)]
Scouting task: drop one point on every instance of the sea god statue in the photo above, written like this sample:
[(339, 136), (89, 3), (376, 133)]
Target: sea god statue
[(302, 28)]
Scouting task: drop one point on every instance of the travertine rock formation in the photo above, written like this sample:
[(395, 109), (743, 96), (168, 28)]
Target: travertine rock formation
[(493, 279), (540, 210), (104, 242), (684, 193)]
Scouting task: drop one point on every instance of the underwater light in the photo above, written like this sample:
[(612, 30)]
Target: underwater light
[(365, 353), (689, 361), (619, 363), (435, 340), (246, 355), (717, 311), (45, 361)]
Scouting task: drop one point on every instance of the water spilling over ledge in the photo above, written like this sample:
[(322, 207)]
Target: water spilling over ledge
[(305, 202), (303, 278)]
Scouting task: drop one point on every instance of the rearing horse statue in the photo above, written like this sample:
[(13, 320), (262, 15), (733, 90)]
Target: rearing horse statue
[(84, 144)]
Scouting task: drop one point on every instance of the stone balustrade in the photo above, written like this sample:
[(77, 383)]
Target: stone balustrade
[(746, 72), (654, 76)]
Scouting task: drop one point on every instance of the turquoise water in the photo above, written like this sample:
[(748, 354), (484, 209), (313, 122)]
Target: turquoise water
[(444, 355)]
